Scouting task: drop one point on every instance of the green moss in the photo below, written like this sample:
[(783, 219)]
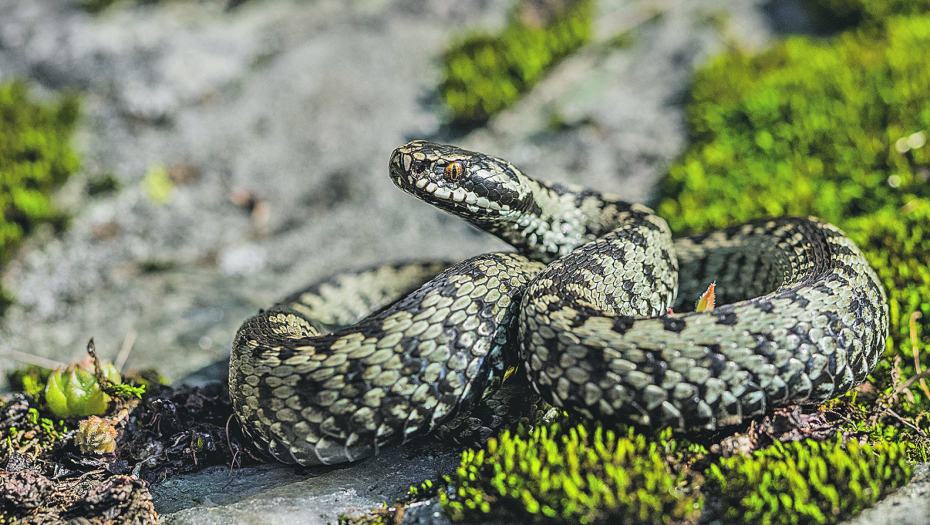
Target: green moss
[(484, 73), (807, 127), (426, 490), (570, 474), (807, 482), (30, 380), (35, 157)]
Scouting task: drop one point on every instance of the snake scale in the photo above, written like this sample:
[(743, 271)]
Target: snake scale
[(583, 309)]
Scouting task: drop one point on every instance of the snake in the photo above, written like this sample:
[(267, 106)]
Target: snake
[(592, 312)]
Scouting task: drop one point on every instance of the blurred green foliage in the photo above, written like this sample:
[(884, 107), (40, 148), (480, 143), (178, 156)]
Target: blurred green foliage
[(571, 474), (842, 14), (96, 6), (807, 481), (35, 157), (484, 73), (102, 184), (807, 127), (29, 380)]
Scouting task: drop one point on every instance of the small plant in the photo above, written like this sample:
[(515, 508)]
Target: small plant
[(29, 380), (807, 481), (96, 436), (426, 490), (75, 390)]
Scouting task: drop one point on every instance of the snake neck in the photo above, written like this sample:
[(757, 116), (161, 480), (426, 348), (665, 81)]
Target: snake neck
[(553, 219), (542, 220)]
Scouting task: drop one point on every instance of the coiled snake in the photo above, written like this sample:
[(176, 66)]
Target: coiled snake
[(373, 358)]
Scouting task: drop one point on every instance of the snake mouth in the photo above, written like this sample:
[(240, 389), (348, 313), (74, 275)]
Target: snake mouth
[(444, 196)]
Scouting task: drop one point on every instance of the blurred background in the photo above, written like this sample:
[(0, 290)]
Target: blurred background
[(206, 158)]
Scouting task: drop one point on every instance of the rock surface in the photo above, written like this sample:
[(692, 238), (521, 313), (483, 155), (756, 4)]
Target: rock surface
[(908, 506), (274, 122), (276, 494)]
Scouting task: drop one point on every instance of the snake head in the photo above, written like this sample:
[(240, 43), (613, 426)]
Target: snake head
[(458, 181)]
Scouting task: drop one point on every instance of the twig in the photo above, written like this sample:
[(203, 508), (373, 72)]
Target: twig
[(232, 462), (98, 371), (30, 359), (125, 350), (905, 421), (911, 380), (913, 329)]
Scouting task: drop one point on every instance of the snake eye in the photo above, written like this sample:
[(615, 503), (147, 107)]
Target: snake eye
[(454, 171)]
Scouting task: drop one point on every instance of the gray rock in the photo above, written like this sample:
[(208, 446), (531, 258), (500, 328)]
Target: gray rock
[(908, 506), (276, 120), (282, 494)]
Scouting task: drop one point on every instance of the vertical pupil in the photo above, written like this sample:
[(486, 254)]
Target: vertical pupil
[(454, 171)]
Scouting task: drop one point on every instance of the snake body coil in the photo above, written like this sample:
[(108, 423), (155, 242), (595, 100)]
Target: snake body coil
[(320, 379)]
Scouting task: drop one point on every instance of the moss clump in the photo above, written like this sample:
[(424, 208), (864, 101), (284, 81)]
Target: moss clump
[(30, 380), (35, 157), (571, 475), (484, 73), (808, 481), (841, 14), (807, 127)]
